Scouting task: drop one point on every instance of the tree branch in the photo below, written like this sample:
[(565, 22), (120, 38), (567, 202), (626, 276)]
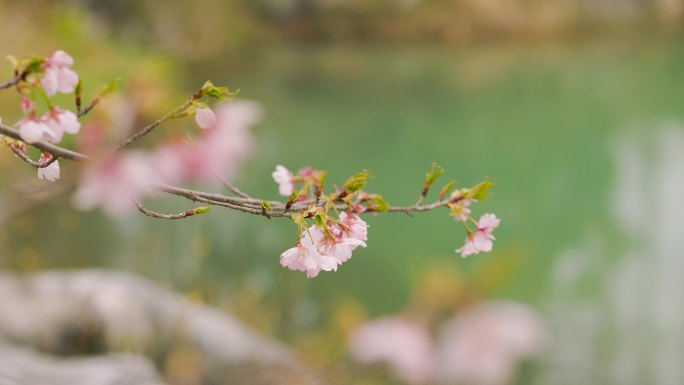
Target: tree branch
[(154, 214), (10, 82), (242, 202), (173, 114), (56, 151)]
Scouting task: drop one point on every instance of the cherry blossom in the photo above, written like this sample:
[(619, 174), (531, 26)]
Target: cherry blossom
[(483, 345), (217, 153), (482, 239), (460, 210), (319, 250), (50, 172), (352, 226), (338, 247), (58, 76), (404, 346), (61, 121), (33, 130), (205, 118), (306, 257), (114, 183), (285, 180)]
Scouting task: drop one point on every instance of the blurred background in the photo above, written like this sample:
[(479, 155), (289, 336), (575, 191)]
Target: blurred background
[(573, 108)]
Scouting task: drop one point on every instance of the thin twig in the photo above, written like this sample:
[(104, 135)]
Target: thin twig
[(93, 103), (23, 156), (232, 188), (11, 81), (154, 214), (147, 129)]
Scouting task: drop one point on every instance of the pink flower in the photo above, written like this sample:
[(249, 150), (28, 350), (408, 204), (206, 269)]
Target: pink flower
[(114, 183), (61, 121), (338, 247), (354, 226), (482, 239), (205, 118), (218, 152), (460, 210), (305, 256), (285, 180), (50, 172), (488, 223), (485, 344), (33, 130), (404, 346), (58, 76), (318, 251)]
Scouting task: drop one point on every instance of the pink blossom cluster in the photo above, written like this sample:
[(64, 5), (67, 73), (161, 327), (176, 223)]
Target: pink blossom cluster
[(482, 239), (221, 148), (50, 127), (309, 180), (58, 75), (324, 249), (482, 345)]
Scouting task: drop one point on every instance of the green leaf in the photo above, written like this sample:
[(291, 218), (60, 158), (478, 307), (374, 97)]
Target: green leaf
[(318, 218), (33, 64), (266, 205), (293, 197), (356, 182), (110, 87), (220, 93), (380, 204), (481, 190), (445, 190), (435, 172), (201, 210)]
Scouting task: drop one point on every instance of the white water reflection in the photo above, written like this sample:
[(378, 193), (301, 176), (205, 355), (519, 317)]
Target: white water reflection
[(621, 320)]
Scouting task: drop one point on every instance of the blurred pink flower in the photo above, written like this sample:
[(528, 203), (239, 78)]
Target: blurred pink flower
[(485, 344), (285, 180), (50, 172), (33, 130), (404, 346), (50, 127), (205, 118), (482, 239), (305, 256), (58, 76), (460, 210), (488, 223), (61, 121), (218, 152), (114, 183)]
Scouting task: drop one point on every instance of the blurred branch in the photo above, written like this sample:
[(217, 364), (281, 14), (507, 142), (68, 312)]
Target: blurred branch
[(10, 82)]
